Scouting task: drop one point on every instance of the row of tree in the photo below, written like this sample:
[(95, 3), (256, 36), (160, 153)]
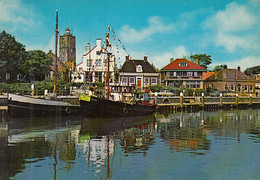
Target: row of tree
[(15, 60)]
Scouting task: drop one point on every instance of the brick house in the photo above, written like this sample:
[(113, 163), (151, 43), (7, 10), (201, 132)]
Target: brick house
[(139, 73), (183, 73), (231, 80)]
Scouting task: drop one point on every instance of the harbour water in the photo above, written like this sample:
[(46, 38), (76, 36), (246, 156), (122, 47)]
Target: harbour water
[(223, 144)]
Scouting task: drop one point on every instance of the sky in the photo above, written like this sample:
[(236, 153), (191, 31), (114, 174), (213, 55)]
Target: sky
[(227, 30)]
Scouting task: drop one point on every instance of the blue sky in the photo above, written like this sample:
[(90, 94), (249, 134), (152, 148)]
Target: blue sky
[(229, 31)]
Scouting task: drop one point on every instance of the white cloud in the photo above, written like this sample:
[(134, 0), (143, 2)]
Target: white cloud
[(245, 62), (163, 59), (155, 25), (16, 15), (228, 26)]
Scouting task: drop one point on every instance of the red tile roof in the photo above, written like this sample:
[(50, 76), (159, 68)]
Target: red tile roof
[(206, 75), (175, 65)]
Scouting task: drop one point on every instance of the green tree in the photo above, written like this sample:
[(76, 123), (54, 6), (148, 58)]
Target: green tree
[(12, 55), (204, 59), (37, 64), (252, 70), (220, 67)]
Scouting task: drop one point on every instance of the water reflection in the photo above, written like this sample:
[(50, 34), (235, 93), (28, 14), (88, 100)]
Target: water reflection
[(65, 148)]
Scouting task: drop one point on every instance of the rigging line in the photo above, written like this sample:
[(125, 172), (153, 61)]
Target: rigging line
[(48, 41)]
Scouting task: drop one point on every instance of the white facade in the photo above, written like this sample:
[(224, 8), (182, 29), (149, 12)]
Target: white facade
[(94, 66)]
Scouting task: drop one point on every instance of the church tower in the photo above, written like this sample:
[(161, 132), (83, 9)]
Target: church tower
[(68, 50)]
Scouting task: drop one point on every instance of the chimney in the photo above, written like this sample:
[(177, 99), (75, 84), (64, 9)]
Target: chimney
[(238, 68), (127, 58), (197, 61), (216, 76), (172, 59), (99, 43), (145, 58)]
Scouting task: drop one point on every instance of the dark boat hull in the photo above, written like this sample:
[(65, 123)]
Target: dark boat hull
[(19, 108), (104, 108)]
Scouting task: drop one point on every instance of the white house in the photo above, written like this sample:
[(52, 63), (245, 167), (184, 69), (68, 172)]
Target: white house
[(93, 68)]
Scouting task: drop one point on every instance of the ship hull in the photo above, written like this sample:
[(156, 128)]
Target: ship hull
[(97, 107), (21, 106)]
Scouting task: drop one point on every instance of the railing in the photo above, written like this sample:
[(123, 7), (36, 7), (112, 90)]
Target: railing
[(183, 77)]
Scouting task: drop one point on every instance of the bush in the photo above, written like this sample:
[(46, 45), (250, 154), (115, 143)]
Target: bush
[(39, 87)]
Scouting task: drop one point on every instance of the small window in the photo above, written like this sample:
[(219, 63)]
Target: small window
[(98, 62), (232, 87), (131, 80), (146, 81), (226, 87), (251, 88), (139, 68), (189, 73), (246, 88), (89, 63), (124, 80), (154, 81), (183, 64)]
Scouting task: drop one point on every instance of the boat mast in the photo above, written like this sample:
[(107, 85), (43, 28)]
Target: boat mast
[(55, 58), (108, 45)]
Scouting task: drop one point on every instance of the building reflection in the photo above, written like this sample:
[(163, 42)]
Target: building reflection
[(62, 142)]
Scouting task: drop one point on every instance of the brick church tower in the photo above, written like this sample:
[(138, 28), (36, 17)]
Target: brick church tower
[(68, 50)]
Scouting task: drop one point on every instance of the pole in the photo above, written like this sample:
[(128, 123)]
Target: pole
[(108, 64), (108, 45), (55, 59)]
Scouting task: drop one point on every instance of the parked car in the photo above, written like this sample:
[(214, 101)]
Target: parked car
[(215, 94)]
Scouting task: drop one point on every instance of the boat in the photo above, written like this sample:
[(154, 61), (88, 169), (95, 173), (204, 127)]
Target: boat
[(93, 106), (100, 107), (19, 105)]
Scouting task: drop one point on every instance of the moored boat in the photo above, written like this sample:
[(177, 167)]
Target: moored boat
[(98, 107), (19, 106)]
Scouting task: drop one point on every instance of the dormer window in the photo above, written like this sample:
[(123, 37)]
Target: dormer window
[(139, 68), (183, 64)]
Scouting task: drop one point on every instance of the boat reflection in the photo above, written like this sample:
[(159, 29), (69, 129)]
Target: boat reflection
[(61, 144)]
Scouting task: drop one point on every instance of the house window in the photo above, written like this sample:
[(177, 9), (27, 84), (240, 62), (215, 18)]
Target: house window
[(195, 73), (232, 87), (183, 64), (226, 87), (251, 88), (19, 77), (124, 80), (171, 73), (139, 68), (146, 81), (98, 76), (154, 81), (89, 63), (131, 80), (239, 87), (246, 88), (98, 62), (189, 73)]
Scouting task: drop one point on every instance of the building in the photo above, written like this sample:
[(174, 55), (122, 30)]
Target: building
[(62, 69), (67, 54), (183, 73), (139, 73), (94, 66), (232, 80)]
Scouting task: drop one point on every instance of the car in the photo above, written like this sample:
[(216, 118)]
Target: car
[(215, 94)]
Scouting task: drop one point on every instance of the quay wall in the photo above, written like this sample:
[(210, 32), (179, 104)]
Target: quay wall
[(168, 104)]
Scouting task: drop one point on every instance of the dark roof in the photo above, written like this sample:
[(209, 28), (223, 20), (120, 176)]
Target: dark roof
[(130, 66), (228, 74), (175, 66)]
